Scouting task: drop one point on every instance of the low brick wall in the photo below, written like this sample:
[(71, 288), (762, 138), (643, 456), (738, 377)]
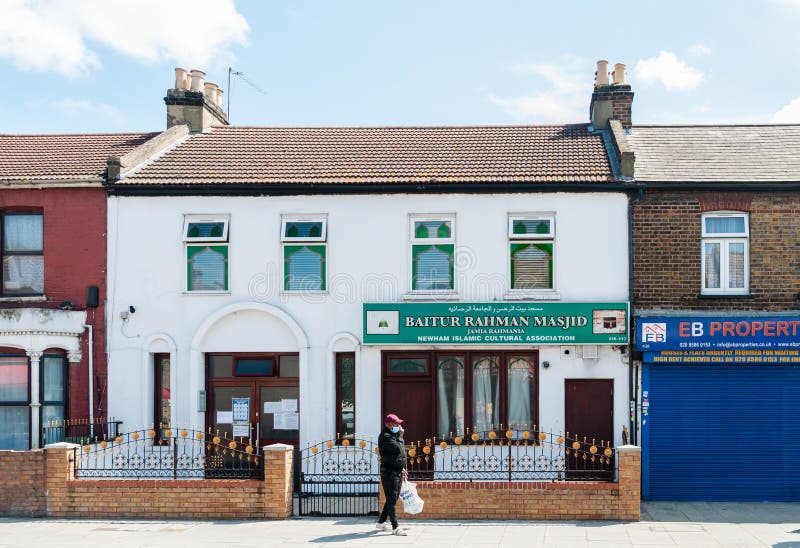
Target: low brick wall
[(22, 483), (566, 500), (42, 483)]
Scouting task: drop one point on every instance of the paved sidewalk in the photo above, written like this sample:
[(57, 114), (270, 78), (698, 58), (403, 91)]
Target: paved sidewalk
[(663, 524)]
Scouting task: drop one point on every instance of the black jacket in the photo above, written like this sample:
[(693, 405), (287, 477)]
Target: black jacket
[(392, 450)]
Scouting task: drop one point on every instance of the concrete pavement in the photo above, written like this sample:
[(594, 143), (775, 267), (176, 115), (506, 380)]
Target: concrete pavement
[(663, 524)]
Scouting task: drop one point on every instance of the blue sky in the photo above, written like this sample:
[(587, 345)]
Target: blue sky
[(104, 65)]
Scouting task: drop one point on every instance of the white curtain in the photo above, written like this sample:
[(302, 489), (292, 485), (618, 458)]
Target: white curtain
[(521, 390), (14, 433), (22, 233), (450, 379), (53, 381), (736, 265), (486, 393), (712, 265)]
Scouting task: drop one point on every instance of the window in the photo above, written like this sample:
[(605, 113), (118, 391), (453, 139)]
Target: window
[(54, 388), (345, 395), (432, 251), (725, 253), (304, 250), (14, 403), (162, 415), (531, 252), (23, 254), (206, 253)]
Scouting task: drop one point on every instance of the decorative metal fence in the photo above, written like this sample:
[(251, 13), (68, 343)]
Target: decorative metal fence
[(169, 452), (339, 478), (512, 455), (80, 430)]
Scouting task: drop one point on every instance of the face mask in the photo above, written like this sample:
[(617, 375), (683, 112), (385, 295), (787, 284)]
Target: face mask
[(395, 429)]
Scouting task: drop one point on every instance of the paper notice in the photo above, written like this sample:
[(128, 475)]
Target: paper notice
[(272, 407), (241, 430), (289, 405), (224, 417), (287, 421)]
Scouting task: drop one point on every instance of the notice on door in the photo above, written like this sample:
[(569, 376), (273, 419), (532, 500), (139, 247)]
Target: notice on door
[(287, 421), (289, 405), (241, 409), (272, 407)]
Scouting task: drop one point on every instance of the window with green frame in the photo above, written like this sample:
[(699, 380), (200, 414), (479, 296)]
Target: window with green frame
[(531, 242), (304, 254), (432, 252), (206, 252)]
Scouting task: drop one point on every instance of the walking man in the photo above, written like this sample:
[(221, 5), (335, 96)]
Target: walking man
[(393, 469)]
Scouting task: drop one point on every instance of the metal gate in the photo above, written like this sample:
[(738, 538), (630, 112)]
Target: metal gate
[(339, 478)]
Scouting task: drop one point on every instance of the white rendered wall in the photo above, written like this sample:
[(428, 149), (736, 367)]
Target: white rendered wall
[(368, 260)]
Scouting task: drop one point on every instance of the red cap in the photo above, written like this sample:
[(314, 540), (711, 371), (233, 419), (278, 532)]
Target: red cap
[(393, 419)]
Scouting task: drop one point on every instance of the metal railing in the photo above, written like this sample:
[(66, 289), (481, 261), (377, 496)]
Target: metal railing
[(512, 455), (80, 431), (169, 452)]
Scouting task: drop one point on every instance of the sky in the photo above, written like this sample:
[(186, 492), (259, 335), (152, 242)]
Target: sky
[(69, 66)]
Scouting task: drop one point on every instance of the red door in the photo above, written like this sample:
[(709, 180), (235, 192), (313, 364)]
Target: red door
[(589, 417)]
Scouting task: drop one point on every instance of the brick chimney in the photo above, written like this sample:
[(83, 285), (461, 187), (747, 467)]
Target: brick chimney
[(610, 101), (194, 102)]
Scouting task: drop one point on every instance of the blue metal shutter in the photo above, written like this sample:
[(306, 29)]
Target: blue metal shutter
[(726, 433)]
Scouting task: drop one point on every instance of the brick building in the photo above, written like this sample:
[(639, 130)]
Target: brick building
[(52, 312), (716, 278)]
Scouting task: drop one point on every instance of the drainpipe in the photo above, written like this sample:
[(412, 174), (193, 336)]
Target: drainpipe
[(91, 379), (633, 372)]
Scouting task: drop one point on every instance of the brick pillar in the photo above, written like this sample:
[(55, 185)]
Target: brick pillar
[(59, 468), (630, 481), (278, 480)]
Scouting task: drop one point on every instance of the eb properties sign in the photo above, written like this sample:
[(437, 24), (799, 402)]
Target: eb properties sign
[(496, 323)]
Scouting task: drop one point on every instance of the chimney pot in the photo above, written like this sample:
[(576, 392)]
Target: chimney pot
[(211, 91), (619, 74), (180, 78), (601, 77), (197, 80), (219, 97)]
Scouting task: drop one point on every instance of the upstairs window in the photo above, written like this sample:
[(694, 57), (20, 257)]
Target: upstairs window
[(531, 240), (206, 253), (725, 253), (23, 254), (304, 254), (432, 252)]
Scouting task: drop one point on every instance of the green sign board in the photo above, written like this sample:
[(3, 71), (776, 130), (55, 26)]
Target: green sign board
[(496, 323)]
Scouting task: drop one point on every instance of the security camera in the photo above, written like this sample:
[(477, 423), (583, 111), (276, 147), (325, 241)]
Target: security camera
[(132, 310)]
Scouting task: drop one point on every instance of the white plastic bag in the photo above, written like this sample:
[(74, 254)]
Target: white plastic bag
[(412, 504)]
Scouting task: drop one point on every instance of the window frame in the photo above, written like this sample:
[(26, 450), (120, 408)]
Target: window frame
[(158, 386), (338, 415), (65, 371), (407, 355), (274, 356), (5, 353), (724, 240), (432, 242), (4, 253), (531, 239), (206, 242), (310, 242)]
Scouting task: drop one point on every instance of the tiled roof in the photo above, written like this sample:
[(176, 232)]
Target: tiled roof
[(358, 155), (56, 157), (766, 153)]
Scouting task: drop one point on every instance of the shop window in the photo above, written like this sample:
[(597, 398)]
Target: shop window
[(206, 253), (450, 395), (725, 253), (531, 241), (23, 254), (14, 402), (304, 254), (162, 414), (432, 252), (345, 395)]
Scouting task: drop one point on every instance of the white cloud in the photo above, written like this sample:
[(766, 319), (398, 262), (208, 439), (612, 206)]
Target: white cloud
[(669, 71), (699, 50), (56, 35), (787, 3), (565, 99), (789, 114)]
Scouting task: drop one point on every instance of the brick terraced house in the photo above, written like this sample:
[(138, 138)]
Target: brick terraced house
[(716, 277)]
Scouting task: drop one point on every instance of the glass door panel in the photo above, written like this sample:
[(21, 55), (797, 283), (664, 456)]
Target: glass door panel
[(222, 410), (279, 414)]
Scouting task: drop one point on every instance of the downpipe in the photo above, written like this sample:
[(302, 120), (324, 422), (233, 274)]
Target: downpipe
[(633, 371), (91, 378)]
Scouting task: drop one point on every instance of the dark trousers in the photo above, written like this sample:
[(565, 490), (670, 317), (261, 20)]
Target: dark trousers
[(391, 481)]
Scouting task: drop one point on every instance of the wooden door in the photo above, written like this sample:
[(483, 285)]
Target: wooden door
[(412, 401), (589, 416)]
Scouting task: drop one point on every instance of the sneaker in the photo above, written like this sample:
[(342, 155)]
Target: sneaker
[(400, 532), (385, 526)]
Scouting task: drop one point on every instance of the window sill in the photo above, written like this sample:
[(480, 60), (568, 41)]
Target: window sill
[(522, 295), (725, 296), (29, 299), (431, 296), (206, 293), (303, 292)]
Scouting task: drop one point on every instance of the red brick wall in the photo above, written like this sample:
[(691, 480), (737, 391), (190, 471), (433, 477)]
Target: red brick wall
[(571, 500), (22, 481), (666, 250), (74, 258)]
